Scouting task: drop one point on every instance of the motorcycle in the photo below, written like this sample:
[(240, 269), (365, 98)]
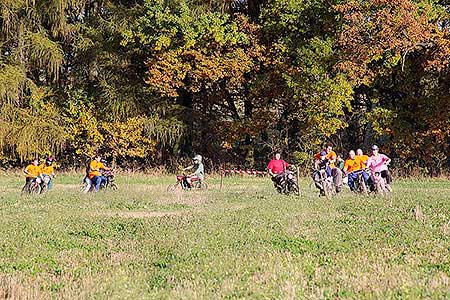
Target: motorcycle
[(325, 183), (33, 186), (360, 183), (380, 185), (287, 183), (183, 183), (45, 182), (110, 178), (109, 184)]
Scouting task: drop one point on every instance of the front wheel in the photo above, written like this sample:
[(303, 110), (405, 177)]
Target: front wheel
[(363, 187), (380, 189), (328, 189), (34, 188), (295, 189), (112, 186)]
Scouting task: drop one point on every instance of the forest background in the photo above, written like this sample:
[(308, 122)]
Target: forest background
[(147, 83)]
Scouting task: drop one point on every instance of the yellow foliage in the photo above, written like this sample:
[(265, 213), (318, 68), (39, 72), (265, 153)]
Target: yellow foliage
[(83, 130), (128, 139)]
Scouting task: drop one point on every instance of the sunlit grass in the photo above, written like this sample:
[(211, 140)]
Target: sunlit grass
[(245, 241)]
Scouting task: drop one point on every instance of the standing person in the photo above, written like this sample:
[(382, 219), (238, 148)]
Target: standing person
[(362, 157), (352, 164), (335, 172), (276, 167), (199, 173), (94, 172), (32, 172), (378, 162), (48, 172)]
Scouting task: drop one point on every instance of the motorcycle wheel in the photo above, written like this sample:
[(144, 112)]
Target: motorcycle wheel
[(326, 190), (44, 188), (363, 188), (388, 188), (34, 188), (112, 186), (295, 189), (379, 189), (279, 190)]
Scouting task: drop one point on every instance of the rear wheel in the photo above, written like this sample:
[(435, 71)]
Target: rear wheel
[(25, 188), (203, 186)]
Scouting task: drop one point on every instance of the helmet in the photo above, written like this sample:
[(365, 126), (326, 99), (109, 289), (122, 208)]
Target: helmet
[(375, 147), (49, 160), (198, 158), (323, 153)]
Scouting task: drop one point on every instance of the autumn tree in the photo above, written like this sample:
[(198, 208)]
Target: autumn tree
[(396, 55)]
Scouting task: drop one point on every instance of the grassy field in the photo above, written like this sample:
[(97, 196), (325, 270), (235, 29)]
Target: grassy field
[(246, 241)]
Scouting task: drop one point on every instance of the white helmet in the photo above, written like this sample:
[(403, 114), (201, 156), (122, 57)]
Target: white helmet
[(198, 158)]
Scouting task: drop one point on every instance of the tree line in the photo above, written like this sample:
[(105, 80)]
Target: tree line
[(145, 82)]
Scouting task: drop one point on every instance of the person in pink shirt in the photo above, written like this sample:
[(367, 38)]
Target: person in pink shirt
[(276, 167), (378, 162)]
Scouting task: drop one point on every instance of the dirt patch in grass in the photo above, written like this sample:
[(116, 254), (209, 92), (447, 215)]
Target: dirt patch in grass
[(139, 214)]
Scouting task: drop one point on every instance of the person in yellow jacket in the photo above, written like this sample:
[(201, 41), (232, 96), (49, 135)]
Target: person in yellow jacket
[(48, 172), (32, 172), (94, 172)]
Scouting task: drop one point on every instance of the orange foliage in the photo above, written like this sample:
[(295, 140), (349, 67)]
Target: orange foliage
[(378, 34)]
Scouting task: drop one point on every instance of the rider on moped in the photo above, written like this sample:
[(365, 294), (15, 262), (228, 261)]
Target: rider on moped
[(335, 172), (378, 163), (32, 172), (321, 163), (48, 172), (96, 177), (199, 173), (353, 164), (276, 168)]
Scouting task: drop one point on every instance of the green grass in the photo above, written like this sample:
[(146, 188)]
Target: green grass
[(246, 241)]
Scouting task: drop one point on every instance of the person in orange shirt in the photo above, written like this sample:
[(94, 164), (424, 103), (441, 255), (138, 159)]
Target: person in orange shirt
[(48, 172), (362, 157), (32, 172), (94, 172), (352, 164), (335, 172)]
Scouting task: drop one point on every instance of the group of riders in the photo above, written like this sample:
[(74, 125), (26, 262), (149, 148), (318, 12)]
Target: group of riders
[(336, 169), (43, 174), (325, 162), (39, 174)]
